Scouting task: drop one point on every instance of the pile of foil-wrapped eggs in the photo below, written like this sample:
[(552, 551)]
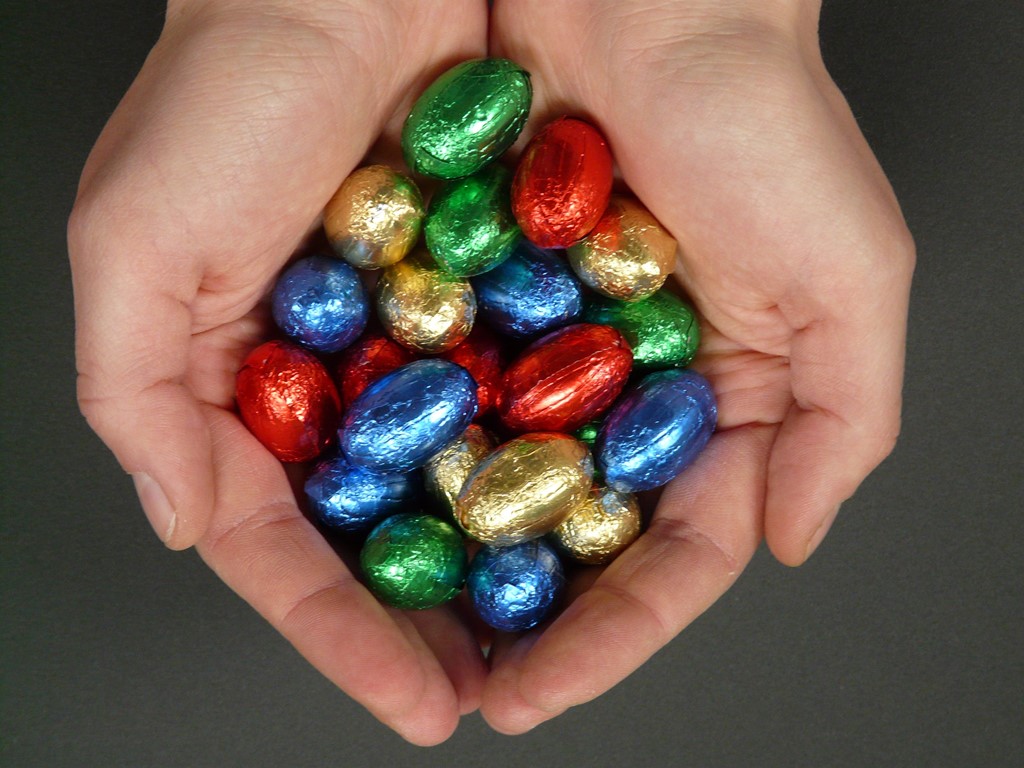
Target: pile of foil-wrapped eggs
[(577, 360)]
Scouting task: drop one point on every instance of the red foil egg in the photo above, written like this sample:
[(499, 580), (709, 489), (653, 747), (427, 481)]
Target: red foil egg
[(287, 400), (366, 361), (565, 379), (480, 354), (562, 184)]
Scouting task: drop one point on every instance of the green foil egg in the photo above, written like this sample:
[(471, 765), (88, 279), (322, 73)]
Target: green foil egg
[(467, 118), (414, 561), (662, 329), (470, 227)]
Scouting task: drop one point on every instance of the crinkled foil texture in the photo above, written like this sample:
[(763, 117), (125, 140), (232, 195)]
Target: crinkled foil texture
[(407, 416), (563, 183), (423, 307), (628, 255), (445, 472), (656, 429), (345, 497), (320, 302), (375, 217), (470, 227), (287, 400), (466, 118), (662, 330), (531, 292), (515, 588), (599, 528), (525, 488), (371, 357), (414, 561), (564, 379)]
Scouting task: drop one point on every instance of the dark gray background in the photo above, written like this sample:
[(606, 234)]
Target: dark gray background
[(900, 643)]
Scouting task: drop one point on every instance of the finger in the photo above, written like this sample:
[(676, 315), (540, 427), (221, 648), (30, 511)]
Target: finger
[(454, 644), (705, 530), (263, 548), (215, 165), (846, 373)]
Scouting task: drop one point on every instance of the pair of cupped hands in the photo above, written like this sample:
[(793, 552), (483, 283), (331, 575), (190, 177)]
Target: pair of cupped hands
[(246, 117)]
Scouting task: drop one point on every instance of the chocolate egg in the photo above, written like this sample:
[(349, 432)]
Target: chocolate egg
[(481, 355), (287, 400), (600, 528), (366, 361), (345, 497), (656, 430), (466, 118), (628, 255), (531, 292), (414, 561), (446, 471), (564, 379), (515, 588), (424, 308), (470, 227), (408, 415), (320, 302), (525, 488), (662, 330), (374, 218), (562, 184)]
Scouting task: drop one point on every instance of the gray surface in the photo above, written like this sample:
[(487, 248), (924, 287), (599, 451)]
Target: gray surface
[(900, 643)]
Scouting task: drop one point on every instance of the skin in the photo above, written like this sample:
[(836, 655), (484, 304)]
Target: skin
[(723, 121)]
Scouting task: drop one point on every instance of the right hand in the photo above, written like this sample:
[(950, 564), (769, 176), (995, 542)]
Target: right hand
[(243, 121)]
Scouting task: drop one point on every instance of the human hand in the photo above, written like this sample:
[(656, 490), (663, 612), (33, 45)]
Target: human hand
[(210, 174), (725, 123)]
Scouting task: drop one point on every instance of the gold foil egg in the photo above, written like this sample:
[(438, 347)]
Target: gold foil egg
[(600, 528), (446, 471), (375, 217), (525, 488), (628, 255), (423, 307)]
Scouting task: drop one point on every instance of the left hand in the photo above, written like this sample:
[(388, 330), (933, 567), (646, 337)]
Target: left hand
[(724, 122)]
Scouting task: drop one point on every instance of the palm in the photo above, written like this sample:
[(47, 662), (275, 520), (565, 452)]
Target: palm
[(205, 182), (738, 141)]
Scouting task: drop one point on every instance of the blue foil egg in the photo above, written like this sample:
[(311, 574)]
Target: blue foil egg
[(320, 302), (345, 497), (515, 588), (530, 292), (656, 430), (407, 416)]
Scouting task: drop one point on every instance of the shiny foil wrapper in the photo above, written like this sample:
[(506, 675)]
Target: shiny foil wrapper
[(466, 118), (320, 302), (662, 330), (656, 430), (599, 528), (562, 184), (425, 308), (565, 379), (375, 217), (531, 292), (414, 561), (445, 472), (525, 488), (470, 227), (287, 400), (344, 497), (481, 355), (515, 588), (408, 415), (366, 361), (628, 255)]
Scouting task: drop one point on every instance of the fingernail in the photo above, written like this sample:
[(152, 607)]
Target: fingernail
[(820, 533), (155, 504)]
